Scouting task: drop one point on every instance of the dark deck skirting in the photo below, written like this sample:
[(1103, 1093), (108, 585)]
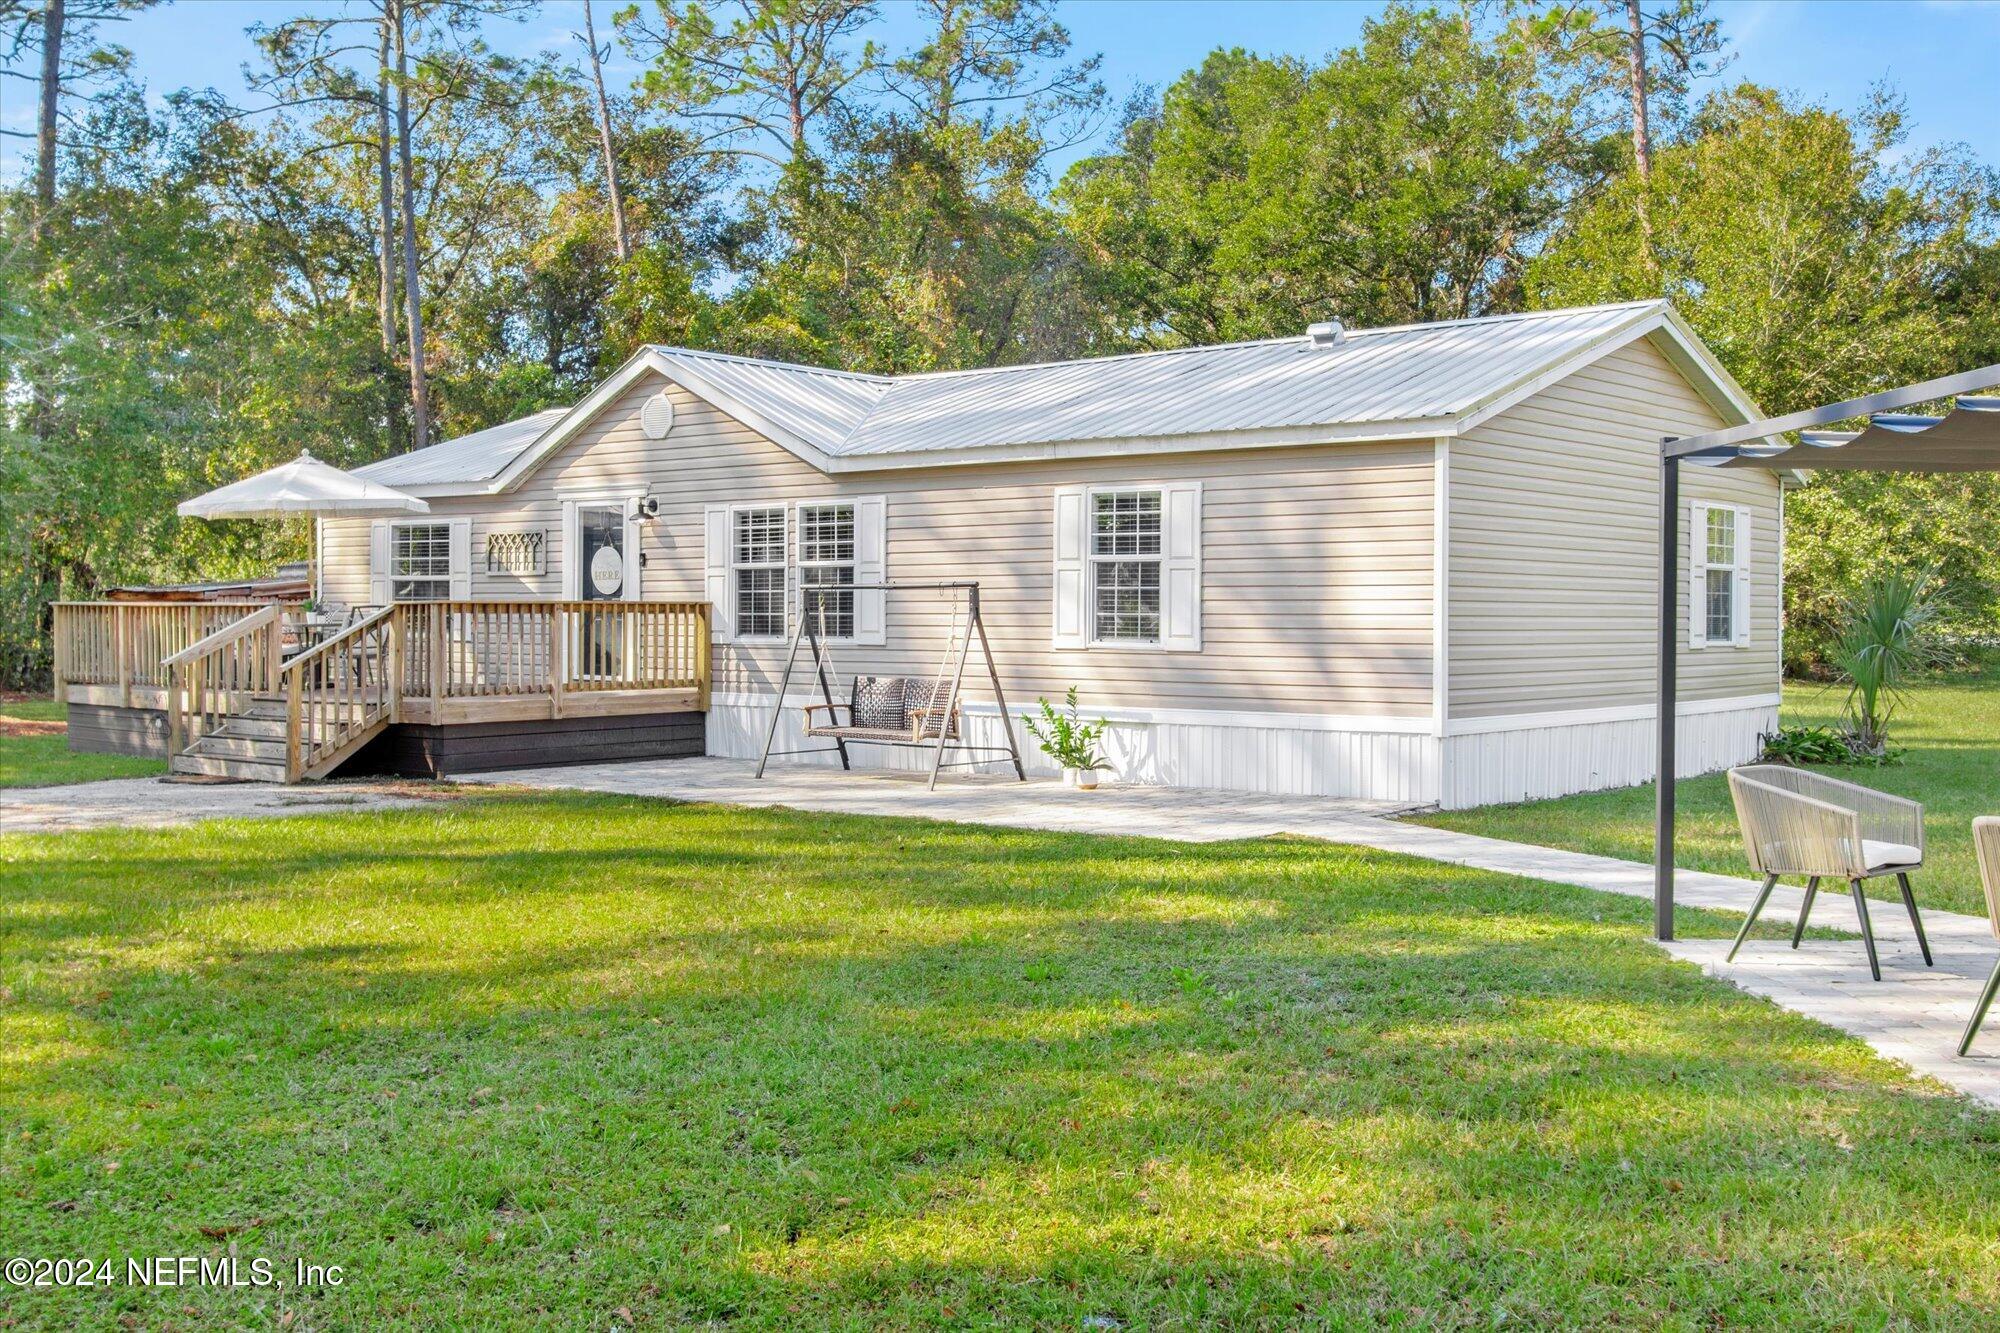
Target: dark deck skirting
[(428, 751), (483, 747), (110, 729)]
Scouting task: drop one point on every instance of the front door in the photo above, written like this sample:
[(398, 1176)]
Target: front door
[(601, 548)]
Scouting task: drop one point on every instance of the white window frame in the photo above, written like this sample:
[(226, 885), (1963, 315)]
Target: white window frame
[(852, 563), (1073, 623), (1738, 569), (401, 525), (1095, 561), (783, 565)]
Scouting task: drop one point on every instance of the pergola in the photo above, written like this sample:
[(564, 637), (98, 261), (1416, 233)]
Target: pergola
[(1965, 439)]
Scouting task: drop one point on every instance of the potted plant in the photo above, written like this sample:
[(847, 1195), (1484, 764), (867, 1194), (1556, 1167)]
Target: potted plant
[(1066, 738)]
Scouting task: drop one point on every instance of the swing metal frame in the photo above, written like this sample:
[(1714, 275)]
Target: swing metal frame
[(811, 632)]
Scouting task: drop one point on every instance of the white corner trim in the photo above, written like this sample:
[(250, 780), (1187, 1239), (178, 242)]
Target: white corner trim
[(1404, 725), (1480, 726), (1441, 586)]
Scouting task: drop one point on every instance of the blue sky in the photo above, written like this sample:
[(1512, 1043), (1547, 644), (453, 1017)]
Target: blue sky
[(1937, 53)]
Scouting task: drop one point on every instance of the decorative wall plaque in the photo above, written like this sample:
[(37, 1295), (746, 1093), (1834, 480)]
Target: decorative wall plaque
[(520, 553)]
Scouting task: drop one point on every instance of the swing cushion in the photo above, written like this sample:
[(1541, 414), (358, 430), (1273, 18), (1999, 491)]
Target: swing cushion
[(886, 708)]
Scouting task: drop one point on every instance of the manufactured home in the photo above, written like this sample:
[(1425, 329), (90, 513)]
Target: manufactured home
[(1413, 564)]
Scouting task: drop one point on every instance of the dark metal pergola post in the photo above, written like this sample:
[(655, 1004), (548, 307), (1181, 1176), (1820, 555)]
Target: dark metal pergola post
[(1663, 782), (1755, 444)]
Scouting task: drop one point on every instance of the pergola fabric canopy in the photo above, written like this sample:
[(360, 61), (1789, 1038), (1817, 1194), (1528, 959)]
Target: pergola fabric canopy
[(303, 486), (1966, 439)]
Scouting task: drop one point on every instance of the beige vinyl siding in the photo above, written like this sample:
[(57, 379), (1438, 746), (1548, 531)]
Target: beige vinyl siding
[(1553, 555), (1316, 562)]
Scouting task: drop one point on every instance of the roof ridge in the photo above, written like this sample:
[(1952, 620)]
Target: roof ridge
[(1302, 338), (862, 375)]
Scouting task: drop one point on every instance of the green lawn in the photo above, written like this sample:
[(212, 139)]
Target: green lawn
[(44, 760), (565, 1060), (1951, 728)]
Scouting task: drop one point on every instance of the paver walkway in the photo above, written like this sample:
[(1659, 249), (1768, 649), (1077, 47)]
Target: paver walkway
[(151, 803), (1914, 1014)]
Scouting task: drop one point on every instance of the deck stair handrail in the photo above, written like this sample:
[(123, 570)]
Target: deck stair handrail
[(340, 693), (219, 673)]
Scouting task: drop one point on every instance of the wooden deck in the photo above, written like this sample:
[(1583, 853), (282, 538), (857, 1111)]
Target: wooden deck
[(229, 688)]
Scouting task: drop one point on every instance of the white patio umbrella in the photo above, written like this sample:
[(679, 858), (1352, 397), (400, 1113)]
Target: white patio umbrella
[(303, 486)]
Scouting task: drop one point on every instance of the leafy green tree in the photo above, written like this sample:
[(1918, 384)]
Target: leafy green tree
[(1819, 264), (1407, 178)]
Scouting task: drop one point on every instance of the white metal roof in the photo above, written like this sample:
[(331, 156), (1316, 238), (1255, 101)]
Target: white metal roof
[(480, 456), (1408, 381)]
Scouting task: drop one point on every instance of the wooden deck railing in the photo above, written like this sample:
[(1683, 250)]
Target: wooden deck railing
[(442, 663), (337, 692), (126, 644), (219, 674), (469, 650)]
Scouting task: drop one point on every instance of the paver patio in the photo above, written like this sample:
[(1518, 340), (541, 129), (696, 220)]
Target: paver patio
[(1914, 1014)]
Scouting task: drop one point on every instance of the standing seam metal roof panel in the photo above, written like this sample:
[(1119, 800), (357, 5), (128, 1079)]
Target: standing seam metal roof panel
[(1410, 373)]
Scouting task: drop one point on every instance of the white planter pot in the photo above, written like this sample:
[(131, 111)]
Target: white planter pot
[(1086, 779), (1069, 777)]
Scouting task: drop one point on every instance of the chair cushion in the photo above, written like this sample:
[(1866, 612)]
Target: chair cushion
[(1880, 854)]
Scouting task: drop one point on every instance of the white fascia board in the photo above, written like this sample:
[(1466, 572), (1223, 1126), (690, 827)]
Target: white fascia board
[(642, 362), (1643, 321)]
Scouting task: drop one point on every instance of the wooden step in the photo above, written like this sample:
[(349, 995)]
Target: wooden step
[(243, 770), (261, 728), (226, 744)]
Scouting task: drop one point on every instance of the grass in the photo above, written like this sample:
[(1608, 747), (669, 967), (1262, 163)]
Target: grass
[(565, 1061), (1950, 726), (39, 755)]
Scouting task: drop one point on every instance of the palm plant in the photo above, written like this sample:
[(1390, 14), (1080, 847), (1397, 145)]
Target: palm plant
[(1882, 646)]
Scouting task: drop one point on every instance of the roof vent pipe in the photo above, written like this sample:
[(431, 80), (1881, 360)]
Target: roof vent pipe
[(1328, 333)]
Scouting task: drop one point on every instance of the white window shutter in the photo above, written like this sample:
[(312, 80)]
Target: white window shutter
[(1740, 617), (461, 559), (1698, 576), (1180, 567), (1071, 628), (715, 574), (378, 563), (870, 566)]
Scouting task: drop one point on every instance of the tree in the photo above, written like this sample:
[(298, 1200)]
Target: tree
[(619, 230), (1819, 264), (1408, 178), (73, 66), (763, 74)]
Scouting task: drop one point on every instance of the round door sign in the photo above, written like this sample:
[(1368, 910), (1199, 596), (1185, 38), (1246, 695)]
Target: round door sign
[(607, 571)]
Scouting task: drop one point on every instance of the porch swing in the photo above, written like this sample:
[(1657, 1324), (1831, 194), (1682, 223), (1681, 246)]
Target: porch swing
[(909, 711)]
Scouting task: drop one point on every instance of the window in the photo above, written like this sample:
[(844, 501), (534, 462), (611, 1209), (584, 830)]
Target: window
[(1719, 600), (826, 560), (1719, 576), (420, 562), (1125, 549), (757, 558)]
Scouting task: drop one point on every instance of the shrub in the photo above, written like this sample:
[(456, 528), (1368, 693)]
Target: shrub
[(1881, 647)]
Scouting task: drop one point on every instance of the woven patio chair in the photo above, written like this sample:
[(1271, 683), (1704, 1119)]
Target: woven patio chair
[(1801, 823), (1986, 841)]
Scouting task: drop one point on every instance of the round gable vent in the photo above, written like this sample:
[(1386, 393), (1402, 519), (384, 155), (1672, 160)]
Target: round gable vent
[(656, 418)]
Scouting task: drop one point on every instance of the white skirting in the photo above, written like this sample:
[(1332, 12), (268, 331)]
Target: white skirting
[(1387, 759), (1492, 760)]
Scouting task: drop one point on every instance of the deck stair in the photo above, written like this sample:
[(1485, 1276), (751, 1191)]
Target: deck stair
[(248, 746), (238, 708)]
